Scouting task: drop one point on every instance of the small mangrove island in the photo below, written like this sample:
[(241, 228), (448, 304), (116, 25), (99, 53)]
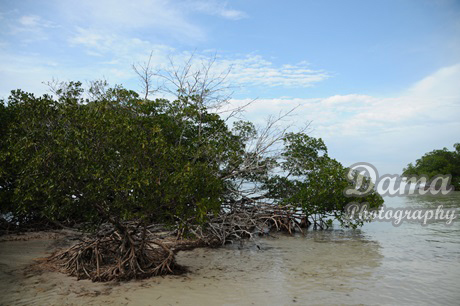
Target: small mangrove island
[(146, 178)]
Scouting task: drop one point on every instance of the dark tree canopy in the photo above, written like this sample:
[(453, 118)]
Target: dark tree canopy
[(116, 157), (438, 162), (108, 155)]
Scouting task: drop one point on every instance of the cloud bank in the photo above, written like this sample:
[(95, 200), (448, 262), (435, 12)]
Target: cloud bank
[(389, 132)]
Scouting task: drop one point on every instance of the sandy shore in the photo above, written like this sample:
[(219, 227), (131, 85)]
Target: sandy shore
[(283, 272), (23, 282)]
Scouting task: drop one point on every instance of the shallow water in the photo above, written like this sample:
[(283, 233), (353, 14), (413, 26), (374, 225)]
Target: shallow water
[(378, 264)]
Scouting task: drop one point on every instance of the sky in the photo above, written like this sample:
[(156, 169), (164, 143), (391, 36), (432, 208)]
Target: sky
[(378, 81)]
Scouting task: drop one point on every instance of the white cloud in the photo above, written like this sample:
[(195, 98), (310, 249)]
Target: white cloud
[(216, 8), (256, 70), (232, 14), (30, 21), (28, 28), (157, 18), (438, 85), (436, 97), (33, 23), (389, 132), (249, 70)]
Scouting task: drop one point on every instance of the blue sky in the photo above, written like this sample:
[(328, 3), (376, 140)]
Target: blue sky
[(378, 79)]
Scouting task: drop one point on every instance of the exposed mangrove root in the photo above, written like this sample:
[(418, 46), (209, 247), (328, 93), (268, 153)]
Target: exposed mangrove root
[(132, 251), (136, 254), (245, 221)]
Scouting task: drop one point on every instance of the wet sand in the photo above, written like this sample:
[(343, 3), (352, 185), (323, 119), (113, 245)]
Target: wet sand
[(317, 269)]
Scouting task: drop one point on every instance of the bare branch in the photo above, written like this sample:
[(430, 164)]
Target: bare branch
[(145, 73)]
